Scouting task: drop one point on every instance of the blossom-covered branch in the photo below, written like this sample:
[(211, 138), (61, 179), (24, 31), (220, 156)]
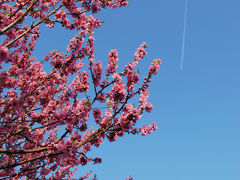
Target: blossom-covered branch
[(45, 117)]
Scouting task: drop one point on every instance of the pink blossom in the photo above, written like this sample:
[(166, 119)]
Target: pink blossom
[(86, 176), (140, 52), (112, 137), (97, 113), (96, 6), (97, 160), (83, 161), (122, 2), (101, 98), (97, 73), (112, 62), (148, 107), (118, 93), (153, 69), (93, 22), (3, 53), (148, 129), (144, 96)]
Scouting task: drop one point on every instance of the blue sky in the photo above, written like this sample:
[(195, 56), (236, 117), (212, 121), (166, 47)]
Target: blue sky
[(197, 109)]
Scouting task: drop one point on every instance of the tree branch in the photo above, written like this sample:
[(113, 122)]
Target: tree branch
[(18, 19)]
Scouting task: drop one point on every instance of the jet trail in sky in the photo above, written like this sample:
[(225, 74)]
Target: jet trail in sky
[(184, 35)]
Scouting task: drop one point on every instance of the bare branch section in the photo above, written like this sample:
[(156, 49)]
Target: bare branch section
[(23, 151)]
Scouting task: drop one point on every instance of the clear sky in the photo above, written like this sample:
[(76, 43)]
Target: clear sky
[(197, 109)]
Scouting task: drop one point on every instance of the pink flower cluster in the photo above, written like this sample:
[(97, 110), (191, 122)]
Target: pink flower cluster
[(60, 15), (130, 178), (118, 92), (153, 69), (54, 111), (3, 54), (112, 61), (97, 73), (148, 129)]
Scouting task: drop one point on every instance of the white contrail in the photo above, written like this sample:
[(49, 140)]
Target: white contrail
[(184, 35)]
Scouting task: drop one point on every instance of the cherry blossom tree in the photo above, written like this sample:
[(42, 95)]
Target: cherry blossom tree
[(45, 116)]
